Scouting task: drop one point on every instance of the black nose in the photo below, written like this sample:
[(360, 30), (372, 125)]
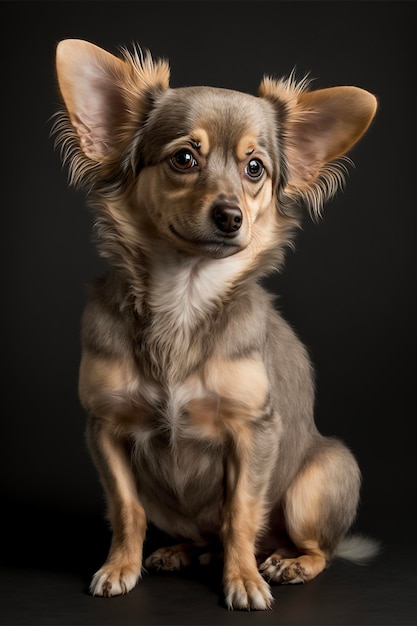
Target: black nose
[(227, 217)]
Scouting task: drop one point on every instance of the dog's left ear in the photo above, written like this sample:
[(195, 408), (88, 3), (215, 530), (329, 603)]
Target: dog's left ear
[(318, 126)]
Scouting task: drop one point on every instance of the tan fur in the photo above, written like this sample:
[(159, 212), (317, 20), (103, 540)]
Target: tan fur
[(246, 145), (199, 395)]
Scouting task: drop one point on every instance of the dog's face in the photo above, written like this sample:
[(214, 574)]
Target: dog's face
[(210, 166), (210, 172)]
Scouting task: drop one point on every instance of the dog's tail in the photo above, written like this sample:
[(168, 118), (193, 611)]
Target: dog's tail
[(358, 549)]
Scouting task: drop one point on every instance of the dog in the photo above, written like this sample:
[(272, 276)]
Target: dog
[(199, 393)]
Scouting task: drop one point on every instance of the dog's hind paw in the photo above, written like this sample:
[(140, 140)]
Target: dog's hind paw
[(283, 571), (171, 559), (113, 581), (248, 593), (295, 570)]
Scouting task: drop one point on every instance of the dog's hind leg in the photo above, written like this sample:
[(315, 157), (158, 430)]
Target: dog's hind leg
[(319, 507)]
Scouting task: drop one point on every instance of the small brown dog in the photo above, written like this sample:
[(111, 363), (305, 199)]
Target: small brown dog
[(199, 395)]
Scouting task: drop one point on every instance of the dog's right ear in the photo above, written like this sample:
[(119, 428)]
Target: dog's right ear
[(106, 97)]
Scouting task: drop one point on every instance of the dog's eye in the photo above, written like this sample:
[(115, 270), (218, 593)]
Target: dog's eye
[(183, 160), (254, 169)]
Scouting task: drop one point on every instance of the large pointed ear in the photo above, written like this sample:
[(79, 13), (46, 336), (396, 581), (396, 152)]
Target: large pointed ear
[(106, 96), (318, 127)]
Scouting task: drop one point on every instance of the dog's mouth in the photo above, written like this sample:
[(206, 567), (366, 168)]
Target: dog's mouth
[(216, 246)]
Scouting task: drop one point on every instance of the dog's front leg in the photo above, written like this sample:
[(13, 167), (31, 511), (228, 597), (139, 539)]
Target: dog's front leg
[(122, 569), (243, 516)]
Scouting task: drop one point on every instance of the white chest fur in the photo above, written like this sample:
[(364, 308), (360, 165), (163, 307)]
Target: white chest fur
[(182, 293)]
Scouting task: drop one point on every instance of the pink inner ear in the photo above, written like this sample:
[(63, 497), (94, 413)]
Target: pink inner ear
[(91, 82), (93, 140), (97, 115)]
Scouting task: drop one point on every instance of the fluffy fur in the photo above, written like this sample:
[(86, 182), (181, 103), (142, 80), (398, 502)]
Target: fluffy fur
[(199, 395)]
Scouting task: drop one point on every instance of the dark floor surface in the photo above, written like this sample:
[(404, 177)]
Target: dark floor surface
[(45, 574)]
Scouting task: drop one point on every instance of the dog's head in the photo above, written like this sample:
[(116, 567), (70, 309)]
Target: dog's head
[(211, 172)]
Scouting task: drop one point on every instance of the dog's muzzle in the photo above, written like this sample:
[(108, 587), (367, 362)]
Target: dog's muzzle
[(227, 218)]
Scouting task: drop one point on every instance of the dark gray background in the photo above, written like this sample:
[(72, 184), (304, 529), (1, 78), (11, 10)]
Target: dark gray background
[(349, 290)]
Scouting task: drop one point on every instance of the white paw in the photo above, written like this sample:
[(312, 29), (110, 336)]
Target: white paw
[(113, 581), (248, 593)]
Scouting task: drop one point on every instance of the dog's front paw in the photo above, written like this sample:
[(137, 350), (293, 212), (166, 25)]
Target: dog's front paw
[(248, 592), (114, 581)]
